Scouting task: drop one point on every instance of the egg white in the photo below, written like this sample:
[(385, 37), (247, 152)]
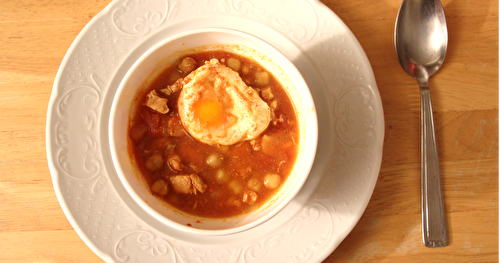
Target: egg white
[(217, 107)]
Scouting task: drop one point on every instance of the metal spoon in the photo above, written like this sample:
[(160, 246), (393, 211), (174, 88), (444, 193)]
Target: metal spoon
[(421, 39)]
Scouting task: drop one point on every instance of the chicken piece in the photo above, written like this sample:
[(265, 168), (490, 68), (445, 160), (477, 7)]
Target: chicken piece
[(267, 94), (249, 197), (175, 163), (278, 120), (188, 184), (256, 146), (156, 103), (273, 104), (178, 84)]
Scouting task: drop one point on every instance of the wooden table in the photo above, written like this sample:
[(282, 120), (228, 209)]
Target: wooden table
[(35, 35)]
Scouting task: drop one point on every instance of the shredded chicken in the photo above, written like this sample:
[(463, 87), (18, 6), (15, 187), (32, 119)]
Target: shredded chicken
[(273, 104), (175, 163), (256, 146), (156, 103), (249, 197), (171, 89), (188, 184), (267, 94), (277, 120)]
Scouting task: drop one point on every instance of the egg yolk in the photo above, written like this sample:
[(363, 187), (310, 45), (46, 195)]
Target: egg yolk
[(209, 112)]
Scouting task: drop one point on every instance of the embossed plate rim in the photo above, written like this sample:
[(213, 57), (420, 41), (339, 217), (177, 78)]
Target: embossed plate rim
[(360, 85)]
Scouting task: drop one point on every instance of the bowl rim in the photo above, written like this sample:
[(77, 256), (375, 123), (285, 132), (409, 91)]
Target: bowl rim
[(309, 157)]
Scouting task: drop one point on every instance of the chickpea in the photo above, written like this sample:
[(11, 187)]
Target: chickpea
[(254, 184), (235, 187), (261, 78), (187, 65), (154, 162), (272, 181), (160, 187), (138, 132), (234, 64), (245, 69), (215, 160), (221, 176)]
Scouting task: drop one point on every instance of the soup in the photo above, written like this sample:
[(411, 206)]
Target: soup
[(214, 135)]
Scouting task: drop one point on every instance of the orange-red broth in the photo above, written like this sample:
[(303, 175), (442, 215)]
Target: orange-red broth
[(244, 165)]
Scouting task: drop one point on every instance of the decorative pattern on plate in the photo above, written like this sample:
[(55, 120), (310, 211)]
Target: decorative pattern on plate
[(270, 13), (354, 115), (152, 248), (139, 17), (349, 111), (77, 112), (256, 252)]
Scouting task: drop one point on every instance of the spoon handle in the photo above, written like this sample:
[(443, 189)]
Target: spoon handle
[(433, 221)]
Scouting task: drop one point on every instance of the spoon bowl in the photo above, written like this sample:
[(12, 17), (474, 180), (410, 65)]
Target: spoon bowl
[(421, 40), (421, 36)]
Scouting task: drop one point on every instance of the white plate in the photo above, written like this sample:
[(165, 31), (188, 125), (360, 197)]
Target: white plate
[(351, 131)]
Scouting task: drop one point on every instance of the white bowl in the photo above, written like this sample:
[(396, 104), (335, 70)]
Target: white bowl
[(164, 54)]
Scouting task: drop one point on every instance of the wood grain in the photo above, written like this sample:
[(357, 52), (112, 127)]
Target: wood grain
[(36, 34)]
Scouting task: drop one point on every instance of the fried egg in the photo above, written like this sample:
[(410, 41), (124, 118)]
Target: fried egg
[(217, 107)]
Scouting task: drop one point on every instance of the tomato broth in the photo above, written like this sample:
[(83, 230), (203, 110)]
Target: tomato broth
[(222, 180)]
